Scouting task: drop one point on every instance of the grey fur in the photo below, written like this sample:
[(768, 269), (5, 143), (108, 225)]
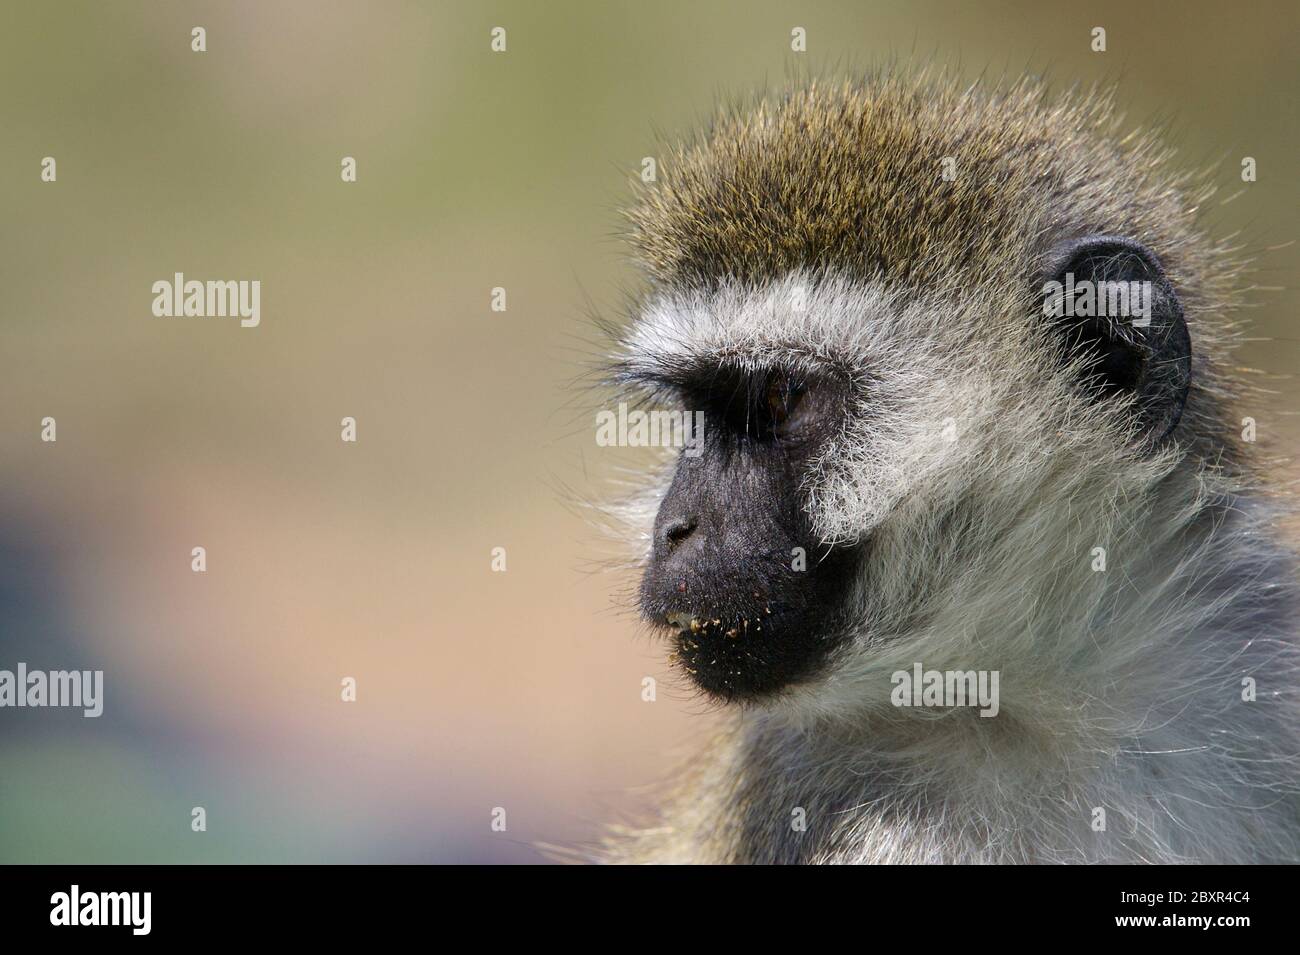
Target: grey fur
[(983, 481)]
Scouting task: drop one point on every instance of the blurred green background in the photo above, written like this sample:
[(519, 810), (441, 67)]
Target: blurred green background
[(325, 560)]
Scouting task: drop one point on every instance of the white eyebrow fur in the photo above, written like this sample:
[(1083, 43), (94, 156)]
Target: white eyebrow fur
[(981, 486)]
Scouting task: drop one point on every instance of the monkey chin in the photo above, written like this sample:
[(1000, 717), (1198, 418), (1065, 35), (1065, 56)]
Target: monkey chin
[(750, 638), (742, 657)]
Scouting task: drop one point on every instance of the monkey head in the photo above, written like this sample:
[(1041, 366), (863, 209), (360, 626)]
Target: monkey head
[(916, 424)]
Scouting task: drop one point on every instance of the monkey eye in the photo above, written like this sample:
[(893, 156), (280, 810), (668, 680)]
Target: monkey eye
[(782, 399), (767, 404)]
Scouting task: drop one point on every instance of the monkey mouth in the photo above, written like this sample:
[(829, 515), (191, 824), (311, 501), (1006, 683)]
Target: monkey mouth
[(740, 650), (687, 624), (682, 622)]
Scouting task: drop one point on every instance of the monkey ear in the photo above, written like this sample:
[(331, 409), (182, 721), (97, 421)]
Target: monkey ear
[(1116, 308)]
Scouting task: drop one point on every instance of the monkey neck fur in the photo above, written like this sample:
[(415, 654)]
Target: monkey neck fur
[(1125, 695), (1121, 685)]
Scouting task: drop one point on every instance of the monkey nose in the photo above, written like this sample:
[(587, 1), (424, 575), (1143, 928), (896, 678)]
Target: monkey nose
[(678, 530)]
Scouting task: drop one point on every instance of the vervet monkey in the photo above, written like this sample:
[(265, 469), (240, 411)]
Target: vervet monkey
[(872, 290)]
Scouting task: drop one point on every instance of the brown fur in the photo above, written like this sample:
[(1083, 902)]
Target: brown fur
[(847, 177)]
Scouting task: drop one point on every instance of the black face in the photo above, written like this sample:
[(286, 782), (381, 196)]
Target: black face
[(755, 601)]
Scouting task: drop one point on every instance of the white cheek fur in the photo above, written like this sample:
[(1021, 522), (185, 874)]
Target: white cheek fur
[(984, 489)]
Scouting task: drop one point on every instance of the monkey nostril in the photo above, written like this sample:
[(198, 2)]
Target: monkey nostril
[(678, 530)]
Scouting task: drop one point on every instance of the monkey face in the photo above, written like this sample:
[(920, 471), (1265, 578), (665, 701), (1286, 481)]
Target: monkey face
[(736, 572), (907, 379), (864, 452)]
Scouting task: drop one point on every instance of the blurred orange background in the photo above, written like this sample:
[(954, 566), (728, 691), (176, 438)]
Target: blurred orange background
[(372, 560)]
